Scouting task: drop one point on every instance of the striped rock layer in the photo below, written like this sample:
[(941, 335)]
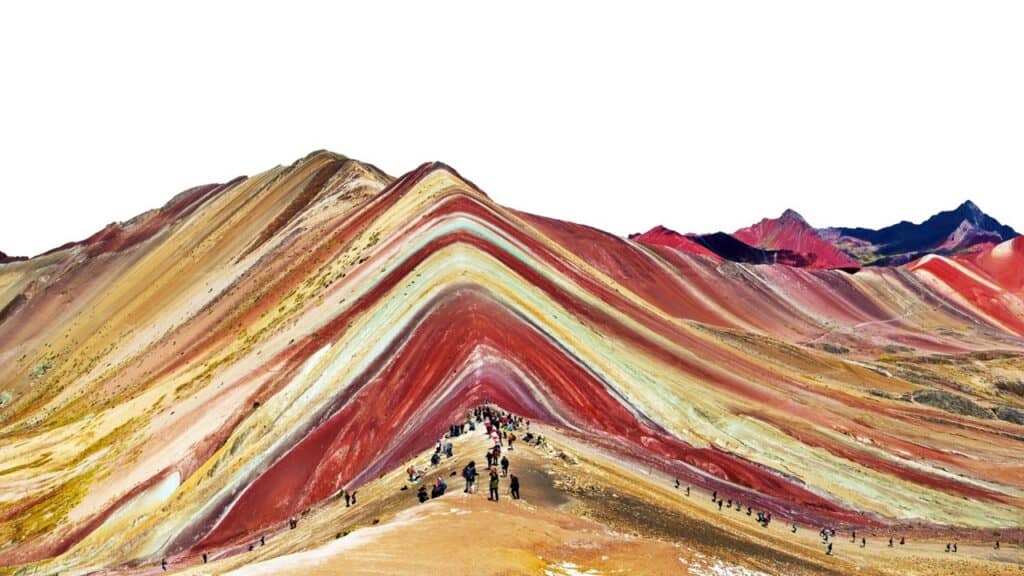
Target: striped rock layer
[(207, 370)]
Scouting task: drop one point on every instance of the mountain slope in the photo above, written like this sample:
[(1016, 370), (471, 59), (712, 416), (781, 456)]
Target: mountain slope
[(308, 329)]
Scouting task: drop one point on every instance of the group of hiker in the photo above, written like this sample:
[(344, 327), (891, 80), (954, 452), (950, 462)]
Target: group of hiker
[(828, 538), (438, 490), (501, 428), (827, 534), (763, 518)]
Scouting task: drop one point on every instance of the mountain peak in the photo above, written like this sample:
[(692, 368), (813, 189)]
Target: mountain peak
[(791, 214), (969, 205), (947, 232), (791, 233), (970, 212)]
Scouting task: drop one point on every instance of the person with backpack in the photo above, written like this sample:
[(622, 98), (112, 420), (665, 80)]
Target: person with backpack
[(469, 473)]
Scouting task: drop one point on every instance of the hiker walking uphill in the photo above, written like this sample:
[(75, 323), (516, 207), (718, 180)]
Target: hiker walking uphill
[(493, 485)]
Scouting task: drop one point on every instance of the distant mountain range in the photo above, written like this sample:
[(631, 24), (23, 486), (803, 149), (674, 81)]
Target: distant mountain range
[(790, 240)]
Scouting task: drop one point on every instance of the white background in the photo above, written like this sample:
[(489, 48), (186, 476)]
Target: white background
[(700, 116)]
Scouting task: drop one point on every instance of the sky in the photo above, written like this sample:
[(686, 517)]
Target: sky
[(700, 116)]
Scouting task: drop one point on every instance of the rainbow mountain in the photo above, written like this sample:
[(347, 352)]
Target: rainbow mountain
[(176, 384)]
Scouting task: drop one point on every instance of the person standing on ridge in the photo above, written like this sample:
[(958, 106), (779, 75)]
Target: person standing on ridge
[(504, 465), (514, 489)]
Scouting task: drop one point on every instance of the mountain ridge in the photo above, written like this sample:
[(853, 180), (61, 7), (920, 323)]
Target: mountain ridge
[(791, 240)]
